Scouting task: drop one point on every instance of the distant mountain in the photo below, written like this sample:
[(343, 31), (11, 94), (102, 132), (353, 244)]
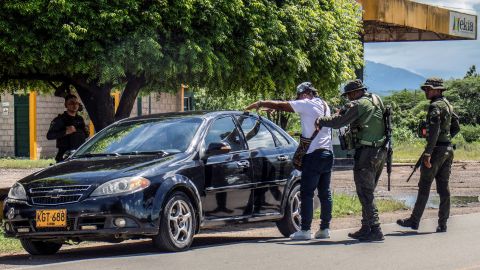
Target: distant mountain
[(383, 79)]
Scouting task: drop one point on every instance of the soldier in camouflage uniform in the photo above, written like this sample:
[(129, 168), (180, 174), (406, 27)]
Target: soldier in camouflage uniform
[(364, 114), (442, 125)]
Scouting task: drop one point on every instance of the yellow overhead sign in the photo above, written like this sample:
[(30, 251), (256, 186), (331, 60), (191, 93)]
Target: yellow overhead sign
[(404, 20)]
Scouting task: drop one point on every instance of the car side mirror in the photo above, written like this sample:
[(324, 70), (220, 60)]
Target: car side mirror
[(68, 154), (218, 148)]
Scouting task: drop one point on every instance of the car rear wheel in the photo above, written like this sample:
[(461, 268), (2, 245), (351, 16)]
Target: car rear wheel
[(177, 224), (290, 222), (40, 247)]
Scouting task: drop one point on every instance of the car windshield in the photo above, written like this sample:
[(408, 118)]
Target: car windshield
[(152, 136)]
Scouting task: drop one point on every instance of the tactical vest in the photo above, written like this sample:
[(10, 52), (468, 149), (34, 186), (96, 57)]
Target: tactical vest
[(370, 124), (446, 111)]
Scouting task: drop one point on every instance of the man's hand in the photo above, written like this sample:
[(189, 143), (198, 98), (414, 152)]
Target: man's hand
[(255, 105), (317, 124), (70, 130), (426, 161)]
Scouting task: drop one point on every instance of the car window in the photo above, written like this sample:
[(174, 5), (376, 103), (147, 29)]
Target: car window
[(170, 135), (256, 133), (225, 130), (279, 136)]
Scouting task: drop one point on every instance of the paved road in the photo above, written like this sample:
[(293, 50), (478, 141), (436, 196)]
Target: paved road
[(402, 249)]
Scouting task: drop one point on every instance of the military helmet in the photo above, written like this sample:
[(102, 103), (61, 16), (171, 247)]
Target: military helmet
[(433, 83), (353, 86)]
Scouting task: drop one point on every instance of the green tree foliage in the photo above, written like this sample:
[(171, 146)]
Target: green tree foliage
[(261, 46), (465, 95), (409, 108), (472, 72)]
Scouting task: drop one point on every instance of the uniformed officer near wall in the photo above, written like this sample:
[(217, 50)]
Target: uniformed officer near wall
[(68, 129), (364, 114), (441, 126)]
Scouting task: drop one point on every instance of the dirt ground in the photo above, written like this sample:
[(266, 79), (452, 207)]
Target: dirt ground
[(464, 181)]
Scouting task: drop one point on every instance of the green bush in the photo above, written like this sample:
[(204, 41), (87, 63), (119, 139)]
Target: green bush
[(470, 133)]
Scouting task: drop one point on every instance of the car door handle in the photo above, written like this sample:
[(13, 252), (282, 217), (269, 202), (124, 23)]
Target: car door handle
[(243, 164), (282, 158)]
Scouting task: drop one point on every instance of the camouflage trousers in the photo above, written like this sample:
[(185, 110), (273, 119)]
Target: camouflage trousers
[(441, 160), (368, 167)]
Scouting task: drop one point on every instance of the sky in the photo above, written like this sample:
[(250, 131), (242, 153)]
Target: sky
[(446, 59)]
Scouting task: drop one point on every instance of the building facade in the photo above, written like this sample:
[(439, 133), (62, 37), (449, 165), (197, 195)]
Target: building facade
[(25, 119)]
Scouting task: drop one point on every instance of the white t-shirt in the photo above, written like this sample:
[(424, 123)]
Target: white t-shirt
[(310, 110)]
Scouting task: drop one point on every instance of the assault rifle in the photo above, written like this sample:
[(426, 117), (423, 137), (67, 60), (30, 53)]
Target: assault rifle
[(387, 117), (417, 165)]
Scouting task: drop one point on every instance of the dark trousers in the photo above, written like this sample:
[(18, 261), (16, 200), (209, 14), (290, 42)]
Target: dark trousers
[(367, 169), (316, 174), (441, 160), (60, 153)]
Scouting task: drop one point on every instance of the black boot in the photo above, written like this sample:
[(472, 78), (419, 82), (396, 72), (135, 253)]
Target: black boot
[(408, 222), (375, 234), (364, 230), (442, 228)]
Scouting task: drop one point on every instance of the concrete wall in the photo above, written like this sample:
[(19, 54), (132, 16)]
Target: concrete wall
[(160, 103), (48, 107), (7, 126)]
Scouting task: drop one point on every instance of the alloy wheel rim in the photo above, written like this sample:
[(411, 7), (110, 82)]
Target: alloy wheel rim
[(180, 223), (295, 208)]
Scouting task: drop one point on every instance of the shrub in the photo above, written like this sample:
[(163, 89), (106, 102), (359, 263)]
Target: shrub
[(470, 133)]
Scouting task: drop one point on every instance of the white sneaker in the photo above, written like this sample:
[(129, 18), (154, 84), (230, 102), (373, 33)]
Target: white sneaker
[(322, 234), (301, 235)]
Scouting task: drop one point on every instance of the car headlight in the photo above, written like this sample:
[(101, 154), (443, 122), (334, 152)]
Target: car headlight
[(17, 192), (121, 186)]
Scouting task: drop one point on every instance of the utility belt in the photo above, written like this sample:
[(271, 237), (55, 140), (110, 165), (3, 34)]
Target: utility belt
[(372, 144), (349, 140)]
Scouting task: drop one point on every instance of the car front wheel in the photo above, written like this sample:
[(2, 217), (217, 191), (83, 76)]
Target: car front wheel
[(290, 222), (40, 247), (177, 224)]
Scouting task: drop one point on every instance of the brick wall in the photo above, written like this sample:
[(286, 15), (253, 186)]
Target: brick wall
[(7, 126)]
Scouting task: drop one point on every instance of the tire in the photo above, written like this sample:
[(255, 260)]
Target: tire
[(290, 222), (177, 224), (40, 247)]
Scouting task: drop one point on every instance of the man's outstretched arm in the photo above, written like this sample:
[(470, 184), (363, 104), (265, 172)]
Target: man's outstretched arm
[(271, 104), (339, 120)]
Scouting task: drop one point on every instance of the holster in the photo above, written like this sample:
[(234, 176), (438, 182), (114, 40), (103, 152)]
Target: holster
[(348, 139)]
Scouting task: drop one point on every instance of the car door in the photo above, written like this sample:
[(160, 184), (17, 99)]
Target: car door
[(267, 163), (286, 149), (228, 177)]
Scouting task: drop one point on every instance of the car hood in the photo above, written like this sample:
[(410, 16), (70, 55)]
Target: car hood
[(90, 171)]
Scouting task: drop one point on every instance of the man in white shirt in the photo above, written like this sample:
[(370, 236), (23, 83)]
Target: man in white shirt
[(318, 161)]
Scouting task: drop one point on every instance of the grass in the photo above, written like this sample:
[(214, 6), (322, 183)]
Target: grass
[(409, 153), (9, 245), (347, 205), (11, 163)]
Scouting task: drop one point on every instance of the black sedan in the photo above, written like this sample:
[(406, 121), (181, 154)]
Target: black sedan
[(163, 177)]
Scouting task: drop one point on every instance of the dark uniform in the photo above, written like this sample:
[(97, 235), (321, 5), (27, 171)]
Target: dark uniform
[(365, 117), (441, 125), (57, 131)]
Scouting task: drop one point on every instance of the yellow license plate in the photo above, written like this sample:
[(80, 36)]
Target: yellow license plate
[(51, 218)]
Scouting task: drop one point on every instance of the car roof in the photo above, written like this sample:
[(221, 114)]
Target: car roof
[(199, 114)]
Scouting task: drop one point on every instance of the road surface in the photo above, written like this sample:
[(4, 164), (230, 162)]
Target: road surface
[(402, 249)]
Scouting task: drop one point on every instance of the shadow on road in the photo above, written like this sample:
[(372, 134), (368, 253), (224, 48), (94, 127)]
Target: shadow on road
[(320, 243), (407, 233), (139, 248)]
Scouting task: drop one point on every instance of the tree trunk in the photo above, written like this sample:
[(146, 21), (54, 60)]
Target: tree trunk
[(129, 96), (98, 102)]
